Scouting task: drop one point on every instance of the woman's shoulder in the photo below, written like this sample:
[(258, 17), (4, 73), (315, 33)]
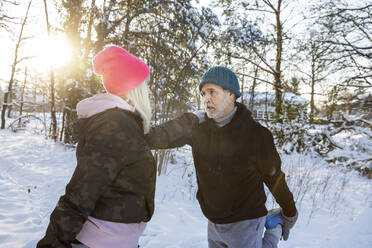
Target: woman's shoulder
[(117, 119), (118, 114)]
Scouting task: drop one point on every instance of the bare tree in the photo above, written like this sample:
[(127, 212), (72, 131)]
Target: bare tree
[(263, 9), (171, 36), (52, 84), (253, 89), (350, 27), (16, 61), (311, 59), (22, 97), (5, 17)]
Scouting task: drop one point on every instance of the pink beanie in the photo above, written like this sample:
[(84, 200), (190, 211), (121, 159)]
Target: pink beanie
[(121, 71)]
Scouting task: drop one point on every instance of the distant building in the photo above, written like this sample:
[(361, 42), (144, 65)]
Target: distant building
[(263, 106)]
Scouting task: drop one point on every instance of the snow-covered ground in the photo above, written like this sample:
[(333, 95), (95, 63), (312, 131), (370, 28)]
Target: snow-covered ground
[(335, 205)]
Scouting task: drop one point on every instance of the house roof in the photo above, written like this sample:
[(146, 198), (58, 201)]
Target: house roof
[(270, 97)]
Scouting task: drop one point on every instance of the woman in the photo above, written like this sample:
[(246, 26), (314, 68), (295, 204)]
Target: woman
[(110, 196)]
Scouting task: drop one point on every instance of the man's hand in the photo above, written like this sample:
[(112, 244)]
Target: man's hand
[(201, 115), (289, 222)]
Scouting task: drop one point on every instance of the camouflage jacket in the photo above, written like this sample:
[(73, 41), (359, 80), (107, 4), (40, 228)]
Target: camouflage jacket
[(232, 164), (114, 179)]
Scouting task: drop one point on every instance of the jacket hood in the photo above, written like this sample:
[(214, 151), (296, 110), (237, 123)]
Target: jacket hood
[(100, 103)]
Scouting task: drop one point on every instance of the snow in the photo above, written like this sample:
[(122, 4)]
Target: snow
[(335, 206), (364, 96), (88, 73), (270, 96)]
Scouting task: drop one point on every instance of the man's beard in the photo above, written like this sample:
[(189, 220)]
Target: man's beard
[(215, 113)]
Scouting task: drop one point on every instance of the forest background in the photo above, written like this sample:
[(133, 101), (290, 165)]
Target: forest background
[(320, 51)]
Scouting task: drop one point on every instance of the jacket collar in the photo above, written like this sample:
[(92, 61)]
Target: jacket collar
[(100, 103), (241, 112)]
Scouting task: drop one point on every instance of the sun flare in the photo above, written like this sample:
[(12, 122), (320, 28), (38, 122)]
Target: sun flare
[(53, 51)]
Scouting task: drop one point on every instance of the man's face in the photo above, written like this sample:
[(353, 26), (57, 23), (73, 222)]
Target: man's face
[(217, 101)]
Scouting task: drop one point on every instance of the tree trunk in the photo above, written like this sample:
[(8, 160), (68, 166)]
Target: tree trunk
[(15, 62), (10, 104), (3, 111), (22, 98), (72, 25), (312, 93), (52, 83), (277, 73), (253, 88), (242, 90), (67, 137), (63, 125), (88, 40)]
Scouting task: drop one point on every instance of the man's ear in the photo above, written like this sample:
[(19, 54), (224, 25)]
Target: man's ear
[(231, 93)]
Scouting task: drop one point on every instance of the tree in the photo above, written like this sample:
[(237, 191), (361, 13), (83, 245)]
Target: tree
[(239, 38), (350, 28), (291, 86), (52, 85), (1, 95), (253, 88), (16, 61), (5, 16), (262, 10), (70, 81), (332, 102), (22, 97), (312, 61), (171, 36)]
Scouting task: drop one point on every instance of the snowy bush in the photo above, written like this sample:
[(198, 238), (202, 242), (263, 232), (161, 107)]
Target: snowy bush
[(347, 143)]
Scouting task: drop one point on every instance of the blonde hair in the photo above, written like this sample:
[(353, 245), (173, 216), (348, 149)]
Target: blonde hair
[(140, 100)]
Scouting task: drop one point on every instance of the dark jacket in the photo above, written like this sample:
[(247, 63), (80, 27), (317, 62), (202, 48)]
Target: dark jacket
[(232, 164), (114, 179)]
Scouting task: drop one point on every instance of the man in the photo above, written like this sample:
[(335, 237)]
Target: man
[(233, 156)]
